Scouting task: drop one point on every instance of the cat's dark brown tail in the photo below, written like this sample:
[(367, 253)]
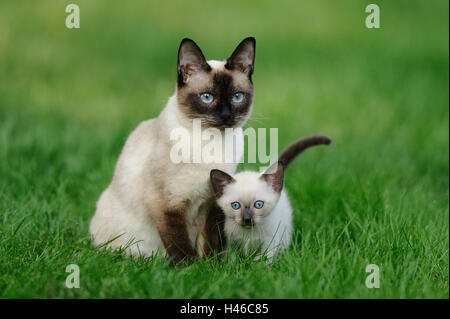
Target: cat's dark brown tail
[(293, 150)]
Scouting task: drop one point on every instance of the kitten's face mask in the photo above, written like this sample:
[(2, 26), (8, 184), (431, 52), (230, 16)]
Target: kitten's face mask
[(220, 93), (247, 199)]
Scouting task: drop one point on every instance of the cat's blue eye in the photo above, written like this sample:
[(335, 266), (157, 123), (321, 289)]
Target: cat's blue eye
[(235, 205), (238, 97), (258, 204), (206, 97)]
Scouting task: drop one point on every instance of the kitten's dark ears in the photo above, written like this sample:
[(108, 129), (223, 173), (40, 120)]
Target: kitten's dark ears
[(243, 57), (219, 180), (190, 60), (274, 176)]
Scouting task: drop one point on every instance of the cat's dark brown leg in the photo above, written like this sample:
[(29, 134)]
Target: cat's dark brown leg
[(174, 235), (214, 236)]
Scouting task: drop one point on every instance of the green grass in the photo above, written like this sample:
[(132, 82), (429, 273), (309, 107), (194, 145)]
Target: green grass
[(379, 194)]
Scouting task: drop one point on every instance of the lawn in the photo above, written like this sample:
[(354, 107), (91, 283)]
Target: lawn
[(378, 195)]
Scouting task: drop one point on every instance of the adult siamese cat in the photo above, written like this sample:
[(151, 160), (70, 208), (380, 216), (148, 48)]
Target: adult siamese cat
[(154, 203), (258, 214)]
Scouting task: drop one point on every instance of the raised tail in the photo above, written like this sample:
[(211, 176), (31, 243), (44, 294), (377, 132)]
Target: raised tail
[(293, 150)]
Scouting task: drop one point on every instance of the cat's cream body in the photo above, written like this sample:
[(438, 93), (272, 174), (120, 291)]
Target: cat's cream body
[(133, 200), (155, 200)]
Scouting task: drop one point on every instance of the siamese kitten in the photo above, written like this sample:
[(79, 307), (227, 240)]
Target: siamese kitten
[(257, 211), (154, 204)]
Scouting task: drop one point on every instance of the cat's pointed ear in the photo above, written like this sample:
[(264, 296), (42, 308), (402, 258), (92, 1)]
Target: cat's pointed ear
[(274, 176), (190, 60), (219, 180), (243, 57)]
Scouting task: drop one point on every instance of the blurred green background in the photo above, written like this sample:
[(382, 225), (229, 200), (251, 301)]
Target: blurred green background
[(379, 194)]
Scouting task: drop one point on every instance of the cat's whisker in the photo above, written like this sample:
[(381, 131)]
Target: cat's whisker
[(256, 121)]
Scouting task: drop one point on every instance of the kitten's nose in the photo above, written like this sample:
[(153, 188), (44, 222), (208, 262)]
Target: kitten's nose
[(247, 218)]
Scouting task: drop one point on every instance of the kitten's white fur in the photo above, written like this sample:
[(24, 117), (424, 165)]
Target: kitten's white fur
[(273, 222)]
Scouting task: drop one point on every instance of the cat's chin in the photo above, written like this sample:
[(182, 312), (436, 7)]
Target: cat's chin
[(248, 227), (225, 126), (222, 125), (236, 122), (245, 227)]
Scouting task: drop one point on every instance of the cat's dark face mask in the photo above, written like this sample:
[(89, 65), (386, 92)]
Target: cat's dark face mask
[(220, 93)]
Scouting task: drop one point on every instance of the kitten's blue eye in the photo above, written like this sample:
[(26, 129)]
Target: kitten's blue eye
[(235, 205), (206, 97), (238, 97), (258, 204)]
